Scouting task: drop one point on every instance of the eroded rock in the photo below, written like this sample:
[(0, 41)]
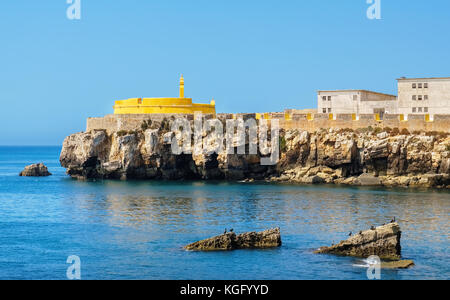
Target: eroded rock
[(270, 238), (35, 170), (383, 241), (322, 157)]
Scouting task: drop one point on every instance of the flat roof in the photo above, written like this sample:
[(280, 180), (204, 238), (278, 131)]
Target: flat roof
[(364, 91), (425, 78)]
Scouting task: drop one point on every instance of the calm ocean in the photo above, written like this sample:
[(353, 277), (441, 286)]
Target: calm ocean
[(136, 230)]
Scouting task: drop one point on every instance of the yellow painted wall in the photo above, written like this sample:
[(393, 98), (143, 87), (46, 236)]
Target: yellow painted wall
[(161, 106), (180, 105)]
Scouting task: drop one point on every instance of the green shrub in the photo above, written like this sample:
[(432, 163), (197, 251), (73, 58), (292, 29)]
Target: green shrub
[(395, 131), (146, 124), (122, 133), (404, 132), (165, 125), (283, 146)]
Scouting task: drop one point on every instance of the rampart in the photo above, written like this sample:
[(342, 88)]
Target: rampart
[(309, 122)]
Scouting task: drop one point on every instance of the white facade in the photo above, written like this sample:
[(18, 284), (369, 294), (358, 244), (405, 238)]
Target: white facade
[(356, 102), (424, 96)]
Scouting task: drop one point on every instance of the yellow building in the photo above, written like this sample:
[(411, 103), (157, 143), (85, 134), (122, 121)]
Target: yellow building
[(179, 105)]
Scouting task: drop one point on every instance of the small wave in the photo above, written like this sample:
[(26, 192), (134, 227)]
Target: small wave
[(366, 263)]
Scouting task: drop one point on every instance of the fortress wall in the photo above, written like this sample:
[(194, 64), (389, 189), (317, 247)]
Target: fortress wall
[(311, 123)]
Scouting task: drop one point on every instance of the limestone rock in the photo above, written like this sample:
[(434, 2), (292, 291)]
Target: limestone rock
[(230, 241), (35, 170), (270, 238), (367, 180), (399, 264), (218, 243), (325, 156), (384, 242)]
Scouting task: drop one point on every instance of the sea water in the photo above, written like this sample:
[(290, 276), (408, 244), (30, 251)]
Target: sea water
[(137, 229)]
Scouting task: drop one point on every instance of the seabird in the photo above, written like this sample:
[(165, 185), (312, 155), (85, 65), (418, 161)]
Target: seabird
[(372, 228), (225, 232), (231, 230), (393, 220), (350, 234), (360, 232)]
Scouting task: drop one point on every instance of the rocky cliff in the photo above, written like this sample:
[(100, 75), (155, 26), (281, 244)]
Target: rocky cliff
[(364, 157)]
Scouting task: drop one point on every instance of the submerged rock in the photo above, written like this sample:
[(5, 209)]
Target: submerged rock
[(383, 241), (36, 170), (400, 264), (230, 241)]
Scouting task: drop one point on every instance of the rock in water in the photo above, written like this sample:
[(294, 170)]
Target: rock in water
[(222, 242), (230, 241), (36, 170), (256, 240), (384, 242), (401, 264)]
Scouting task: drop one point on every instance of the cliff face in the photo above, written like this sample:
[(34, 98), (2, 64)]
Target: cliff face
[(365, 157)]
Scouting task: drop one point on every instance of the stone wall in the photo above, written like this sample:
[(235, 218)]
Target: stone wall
[(308, 122)]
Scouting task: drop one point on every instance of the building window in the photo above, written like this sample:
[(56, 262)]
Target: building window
[(420, 86), (324, 98), (425, 85), (413, 109), (425, 97), (329, 110), (413, 85), (419, 97), (329, 98), (414, 97), (425, 109), (420, 109), (324, 110)]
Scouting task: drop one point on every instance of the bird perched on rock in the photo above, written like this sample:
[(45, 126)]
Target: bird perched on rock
[(231, 230), (393, 220), (372, 228), (225, 232), (350, 234), (360, 232)]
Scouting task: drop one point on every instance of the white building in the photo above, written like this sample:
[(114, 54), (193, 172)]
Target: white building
[(424, 96), (356, 102)]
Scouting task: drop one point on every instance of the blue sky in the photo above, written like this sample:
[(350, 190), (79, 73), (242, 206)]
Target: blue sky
[(247, 55)]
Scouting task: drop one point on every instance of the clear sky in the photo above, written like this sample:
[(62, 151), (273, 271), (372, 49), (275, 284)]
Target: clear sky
[(250, 56)]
